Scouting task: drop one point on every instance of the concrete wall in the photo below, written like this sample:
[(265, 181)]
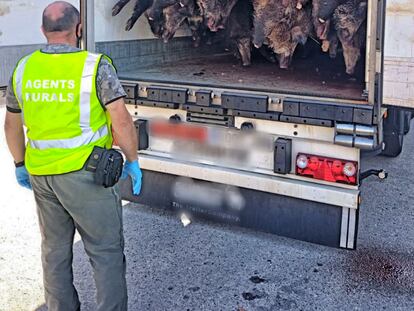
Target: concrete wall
[(20, 21), (20, 34), (130, 55), (9, 56)]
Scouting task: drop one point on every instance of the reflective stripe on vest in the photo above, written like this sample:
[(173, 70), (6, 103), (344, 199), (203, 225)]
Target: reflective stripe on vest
[(18, 85), (87, 136)]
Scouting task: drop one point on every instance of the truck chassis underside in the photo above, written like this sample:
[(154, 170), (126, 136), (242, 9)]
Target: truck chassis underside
[(282, 215)]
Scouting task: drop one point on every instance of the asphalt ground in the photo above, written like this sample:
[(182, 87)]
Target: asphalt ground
[(207, 266)]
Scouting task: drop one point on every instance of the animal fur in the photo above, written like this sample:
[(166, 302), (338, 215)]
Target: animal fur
[(350, 24), (281, 26)]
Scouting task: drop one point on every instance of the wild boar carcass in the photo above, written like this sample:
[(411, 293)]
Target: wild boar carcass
[(216, 12), (156, 10), (301, 3), (119, 6), (330, 44), (174, 17), (350, 23), (139, 8), (195, 21), (199, 30), (239, 29), (322, 11), (171, 12), (281, 26), (185, 11)]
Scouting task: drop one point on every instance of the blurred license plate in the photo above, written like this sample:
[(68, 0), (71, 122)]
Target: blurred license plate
[(178, 131), (212, 144), (202, 143)]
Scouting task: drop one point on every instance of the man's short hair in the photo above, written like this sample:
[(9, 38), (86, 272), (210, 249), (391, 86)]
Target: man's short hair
[(70, 19)]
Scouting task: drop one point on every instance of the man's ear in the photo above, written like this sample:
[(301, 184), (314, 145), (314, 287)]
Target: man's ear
[(43, 30), (79, 31)]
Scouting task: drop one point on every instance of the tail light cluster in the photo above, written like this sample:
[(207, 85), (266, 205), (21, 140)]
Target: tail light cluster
[(329, 169)]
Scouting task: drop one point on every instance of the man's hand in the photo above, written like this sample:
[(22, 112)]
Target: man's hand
[(23, 178), (125, 134), (132, 169)]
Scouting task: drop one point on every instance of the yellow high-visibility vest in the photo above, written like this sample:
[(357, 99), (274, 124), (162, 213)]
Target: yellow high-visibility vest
[(61, 110)]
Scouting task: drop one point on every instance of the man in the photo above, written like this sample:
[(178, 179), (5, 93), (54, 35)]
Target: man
[(67, 99)]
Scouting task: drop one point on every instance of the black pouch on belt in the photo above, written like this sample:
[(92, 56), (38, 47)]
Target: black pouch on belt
[(107, 165)]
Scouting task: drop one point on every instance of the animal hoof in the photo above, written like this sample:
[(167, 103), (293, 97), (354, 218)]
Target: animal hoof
[(246, 64), (272, 59), (129, 25), (350, 72), (325, 45), (116, 9)]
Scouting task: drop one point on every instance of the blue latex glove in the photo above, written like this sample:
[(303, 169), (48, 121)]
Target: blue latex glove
[(22, 177), (132, 169)]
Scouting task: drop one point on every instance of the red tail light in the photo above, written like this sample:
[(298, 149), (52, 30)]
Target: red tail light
[(329, 169)]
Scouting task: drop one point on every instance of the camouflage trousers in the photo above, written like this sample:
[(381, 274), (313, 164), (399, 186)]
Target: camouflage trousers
[(70, 202)]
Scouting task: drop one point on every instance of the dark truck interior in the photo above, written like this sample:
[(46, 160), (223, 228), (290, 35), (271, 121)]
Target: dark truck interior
[(178, 62), (217, 59), (291, 55)]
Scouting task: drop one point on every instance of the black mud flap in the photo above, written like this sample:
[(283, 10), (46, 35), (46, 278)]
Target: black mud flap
[(285, 216), (394, 132), (408, 117)]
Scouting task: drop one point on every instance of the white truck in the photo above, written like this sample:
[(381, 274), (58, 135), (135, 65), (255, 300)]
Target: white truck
[(269, 149)]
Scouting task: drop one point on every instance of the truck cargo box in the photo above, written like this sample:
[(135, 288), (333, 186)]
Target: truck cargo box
[(145, 58)]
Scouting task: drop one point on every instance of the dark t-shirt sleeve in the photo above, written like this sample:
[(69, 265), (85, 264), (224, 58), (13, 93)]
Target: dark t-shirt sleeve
[(108, 86), (12, 104)]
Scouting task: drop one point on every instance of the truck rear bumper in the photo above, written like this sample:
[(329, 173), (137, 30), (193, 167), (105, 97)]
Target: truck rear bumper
[(301, 210)]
